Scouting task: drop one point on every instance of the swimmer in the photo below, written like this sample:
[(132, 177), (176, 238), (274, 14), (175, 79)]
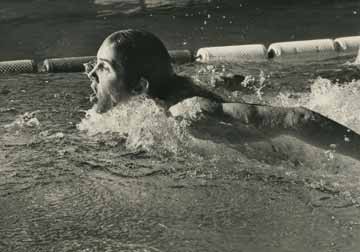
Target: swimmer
[(132, 62)]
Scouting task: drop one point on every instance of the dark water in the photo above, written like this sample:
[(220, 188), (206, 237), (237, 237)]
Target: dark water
[(42, 28), (136, 180)]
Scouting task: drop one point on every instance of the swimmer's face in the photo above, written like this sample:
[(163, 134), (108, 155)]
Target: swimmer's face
[(106, 79)]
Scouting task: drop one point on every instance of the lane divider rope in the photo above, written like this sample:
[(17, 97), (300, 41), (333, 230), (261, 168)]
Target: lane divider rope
[(292, 51)]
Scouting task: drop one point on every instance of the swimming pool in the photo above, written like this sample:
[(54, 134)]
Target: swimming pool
[(72, 180)]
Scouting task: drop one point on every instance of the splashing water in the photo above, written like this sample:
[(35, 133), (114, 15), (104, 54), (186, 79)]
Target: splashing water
[(339, 102), (26, 120), (141, 121)]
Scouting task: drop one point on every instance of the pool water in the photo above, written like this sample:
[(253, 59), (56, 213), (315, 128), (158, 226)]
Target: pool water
[(139, 180)]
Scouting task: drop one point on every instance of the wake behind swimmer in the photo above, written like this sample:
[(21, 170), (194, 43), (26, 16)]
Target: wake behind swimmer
[(132, 62)]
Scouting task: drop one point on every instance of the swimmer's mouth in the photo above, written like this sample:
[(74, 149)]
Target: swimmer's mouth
[(94, 87), (93, 96), (103, 99)]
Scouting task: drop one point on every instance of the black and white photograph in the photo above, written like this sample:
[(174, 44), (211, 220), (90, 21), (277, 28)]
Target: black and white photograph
[(179, 126)]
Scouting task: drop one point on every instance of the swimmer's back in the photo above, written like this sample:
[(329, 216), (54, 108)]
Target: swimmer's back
[(181, 88)]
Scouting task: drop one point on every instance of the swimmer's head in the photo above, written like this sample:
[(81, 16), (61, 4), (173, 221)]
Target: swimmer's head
[(129, 62)]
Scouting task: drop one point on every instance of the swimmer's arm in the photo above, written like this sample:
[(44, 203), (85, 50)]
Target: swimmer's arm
[(260, 116), (271, 121), (265, 116), (300, 122)]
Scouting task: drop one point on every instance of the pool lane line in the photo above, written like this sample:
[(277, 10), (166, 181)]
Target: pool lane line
[(283, 52), (18, 66)]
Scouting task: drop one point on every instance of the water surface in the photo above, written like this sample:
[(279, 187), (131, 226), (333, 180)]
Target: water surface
[(138, 180)]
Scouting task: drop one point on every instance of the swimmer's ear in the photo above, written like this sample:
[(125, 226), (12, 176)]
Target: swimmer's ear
[(142, 87)]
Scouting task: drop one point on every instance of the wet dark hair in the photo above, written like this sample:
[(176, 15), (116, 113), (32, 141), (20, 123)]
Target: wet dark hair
[(141, 54)]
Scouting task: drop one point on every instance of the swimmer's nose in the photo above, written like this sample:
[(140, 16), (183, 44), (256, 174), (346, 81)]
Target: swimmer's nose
[(92, 74)]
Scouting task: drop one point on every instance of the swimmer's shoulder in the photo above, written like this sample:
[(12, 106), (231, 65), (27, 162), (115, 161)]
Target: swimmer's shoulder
[(194, 108), (181, 88)]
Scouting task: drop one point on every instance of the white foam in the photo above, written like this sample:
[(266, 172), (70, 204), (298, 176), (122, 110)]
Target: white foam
[(28, 120), (144, 123)]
